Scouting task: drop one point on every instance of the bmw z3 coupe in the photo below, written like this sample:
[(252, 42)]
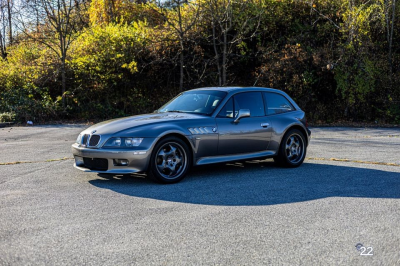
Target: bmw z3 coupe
[(197, 127)]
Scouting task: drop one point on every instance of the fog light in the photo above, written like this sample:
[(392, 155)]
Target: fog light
[(79, 161), (121, 162)]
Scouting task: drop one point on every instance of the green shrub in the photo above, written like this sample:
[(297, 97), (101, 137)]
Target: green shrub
[(7, 117)]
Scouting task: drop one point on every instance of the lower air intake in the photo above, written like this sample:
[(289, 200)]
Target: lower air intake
[(98, 164)]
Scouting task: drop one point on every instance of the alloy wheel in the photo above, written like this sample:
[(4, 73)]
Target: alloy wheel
[(294, 148), (171, 160)]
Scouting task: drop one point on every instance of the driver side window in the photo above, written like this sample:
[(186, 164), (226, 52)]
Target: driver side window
[(252, 101), (227, 111)]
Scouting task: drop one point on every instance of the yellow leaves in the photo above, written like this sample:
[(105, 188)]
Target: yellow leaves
[(103, 12), (132, 66), (26, 63), (103, 52), (358, 19)]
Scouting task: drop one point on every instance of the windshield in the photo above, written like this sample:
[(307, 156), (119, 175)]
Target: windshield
[(197, 102)]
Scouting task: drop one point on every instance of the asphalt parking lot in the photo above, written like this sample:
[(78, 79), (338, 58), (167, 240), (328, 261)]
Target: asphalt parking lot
[(346, 193)]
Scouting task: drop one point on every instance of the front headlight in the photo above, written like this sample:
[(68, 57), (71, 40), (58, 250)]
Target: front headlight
[(79, 139), (123, 142)]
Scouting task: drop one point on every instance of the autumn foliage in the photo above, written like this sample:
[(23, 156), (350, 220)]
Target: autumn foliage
[(340, 60)]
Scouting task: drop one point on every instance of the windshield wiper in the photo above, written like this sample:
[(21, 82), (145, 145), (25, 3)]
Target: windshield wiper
[(174, 111), (185, 112), (198, 113)]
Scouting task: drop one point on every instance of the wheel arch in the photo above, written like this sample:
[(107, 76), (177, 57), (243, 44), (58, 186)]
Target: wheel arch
[(181, 137), (154, 173), (301, 129)]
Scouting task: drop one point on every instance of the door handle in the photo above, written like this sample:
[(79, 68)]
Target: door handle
[(265, 124)]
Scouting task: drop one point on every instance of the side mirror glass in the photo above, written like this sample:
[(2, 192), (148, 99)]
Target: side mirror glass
[(242, 113)]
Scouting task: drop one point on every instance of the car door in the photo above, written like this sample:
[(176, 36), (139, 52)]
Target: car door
[(249, 134), (280, 113)]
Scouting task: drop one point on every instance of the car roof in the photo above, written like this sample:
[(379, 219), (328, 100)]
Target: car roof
[(234, 90), (238, 89)]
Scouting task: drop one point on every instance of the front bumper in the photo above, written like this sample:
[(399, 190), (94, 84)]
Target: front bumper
[(138, 160)]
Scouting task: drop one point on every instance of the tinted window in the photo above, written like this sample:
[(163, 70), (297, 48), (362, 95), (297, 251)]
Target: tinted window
[(277, 104), (227, 110), (252, 101)]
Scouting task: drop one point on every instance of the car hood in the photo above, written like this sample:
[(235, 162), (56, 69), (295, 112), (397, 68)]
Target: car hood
[(120, 124)]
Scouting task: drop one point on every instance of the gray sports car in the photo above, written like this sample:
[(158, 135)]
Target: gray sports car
[(201, 126)]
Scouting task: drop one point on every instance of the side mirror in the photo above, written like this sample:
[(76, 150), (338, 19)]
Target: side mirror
[(242, 113)]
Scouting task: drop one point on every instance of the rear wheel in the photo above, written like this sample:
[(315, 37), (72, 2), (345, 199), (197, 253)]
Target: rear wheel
[(170, 161), (292, 150)]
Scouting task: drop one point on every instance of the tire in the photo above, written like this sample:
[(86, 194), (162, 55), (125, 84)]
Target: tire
[(292, 150), (170, 161)]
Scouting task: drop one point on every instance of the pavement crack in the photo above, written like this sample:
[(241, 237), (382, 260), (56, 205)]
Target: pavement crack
[(351, 161), (46, 161)]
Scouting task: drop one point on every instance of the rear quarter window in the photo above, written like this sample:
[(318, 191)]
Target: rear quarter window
[(277, 104)]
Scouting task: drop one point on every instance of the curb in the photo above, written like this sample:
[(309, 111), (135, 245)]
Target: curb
[(6, 124)]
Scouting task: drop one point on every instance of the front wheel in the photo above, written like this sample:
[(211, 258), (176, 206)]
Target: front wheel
[(292, 150), (170, 161)]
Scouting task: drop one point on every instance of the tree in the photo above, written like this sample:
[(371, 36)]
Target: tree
[(53, 23), (390, 15), (231, 22), (104, 12), (9, 12), (181, 16), (103, 59), (6, 27), (3, 30)]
